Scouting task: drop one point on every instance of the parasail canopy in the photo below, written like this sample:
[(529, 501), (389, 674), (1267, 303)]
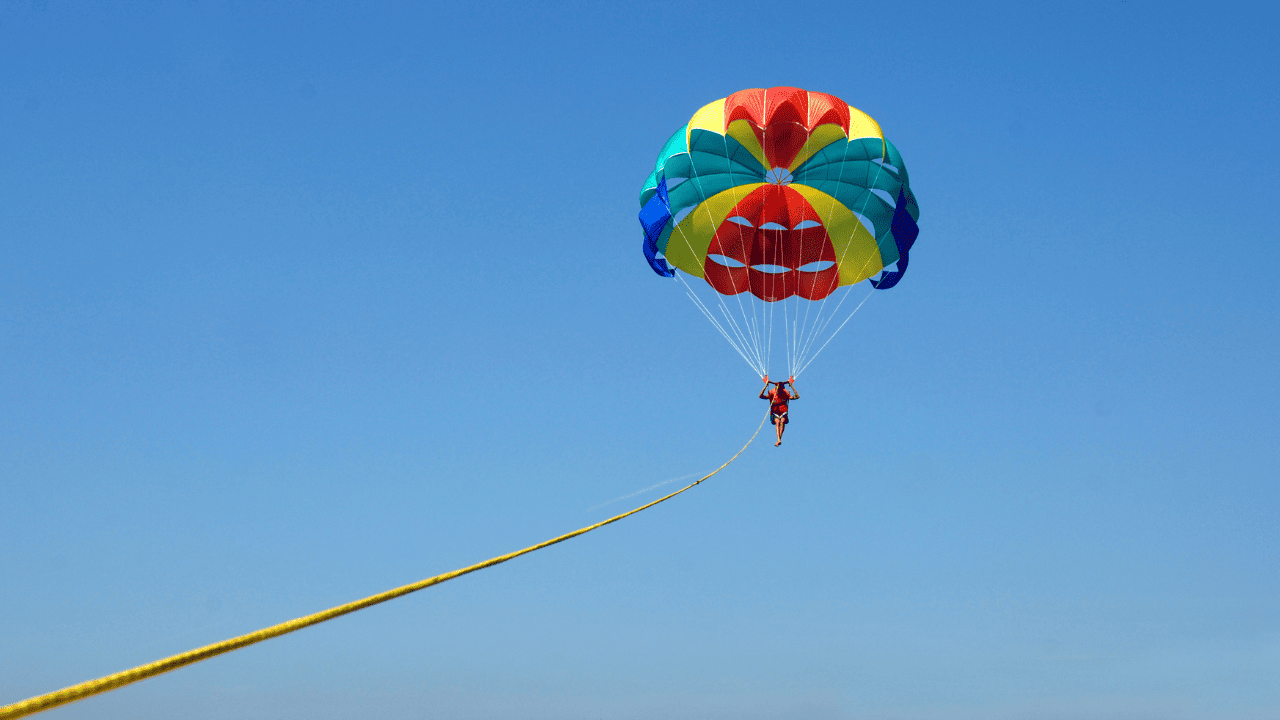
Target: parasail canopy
[(779, 192)]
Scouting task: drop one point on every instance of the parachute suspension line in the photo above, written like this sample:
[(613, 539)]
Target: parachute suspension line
[(795, 336), (747, 347), (786, 337), (790, 329), (750, 340), (755, 348), (751, 330), (769, 356), (761, 364), (798, 328), (795, 333), (88, 689), (819, 327), (803, 332), (834, 313), (701, 306), (752, 323), (717, 326), (805, 324), (764, 339), (820, 324), (806, 330), (750, 327), (838, 329), (744, 333)]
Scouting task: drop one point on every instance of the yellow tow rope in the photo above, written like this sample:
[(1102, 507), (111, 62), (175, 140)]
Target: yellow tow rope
[(90, 688)]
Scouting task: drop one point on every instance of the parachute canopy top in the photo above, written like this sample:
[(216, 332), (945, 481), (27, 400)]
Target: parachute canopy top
[(779, 192)]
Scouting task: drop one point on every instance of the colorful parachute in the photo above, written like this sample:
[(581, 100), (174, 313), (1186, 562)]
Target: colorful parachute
[(781, 193), (796, 180)]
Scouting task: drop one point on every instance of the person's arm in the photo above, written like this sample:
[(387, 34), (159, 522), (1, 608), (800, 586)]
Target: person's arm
[(792, 382), (764, 393)]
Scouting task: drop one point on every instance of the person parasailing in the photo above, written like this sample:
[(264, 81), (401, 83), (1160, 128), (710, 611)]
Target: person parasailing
[(778, 399), (778, 201)]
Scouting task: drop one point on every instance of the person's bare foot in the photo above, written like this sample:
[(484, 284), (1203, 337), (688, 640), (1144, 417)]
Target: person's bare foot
[(777, 443)]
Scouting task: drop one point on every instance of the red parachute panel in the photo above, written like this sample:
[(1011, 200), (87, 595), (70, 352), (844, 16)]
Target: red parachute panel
[(787, 248), (783, 117)]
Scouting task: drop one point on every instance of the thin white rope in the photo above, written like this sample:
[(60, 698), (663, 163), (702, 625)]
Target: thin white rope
[(816, 330), (732, 323), (751, 331), (819, 326), (755, 351), (795, 337), (738, 296), (716, 324), (698, 301), (702, 306), (746, 329), (743, 333), (823, 305), (732, 344), (691, 294), (748, 322), (837, 332), (819, 331), (769, 356)]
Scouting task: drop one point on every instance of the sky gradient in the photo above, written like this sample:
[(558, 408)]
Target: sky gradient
[(300, 302)]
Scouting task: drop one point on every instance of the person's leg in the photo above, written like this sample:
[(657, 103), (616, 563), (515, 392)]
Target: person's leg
[(777, 423), (782, 427)]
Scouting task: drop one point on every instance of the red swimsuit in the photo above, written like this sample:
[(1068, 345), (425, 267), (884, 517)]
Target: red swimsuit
[(778, 399)]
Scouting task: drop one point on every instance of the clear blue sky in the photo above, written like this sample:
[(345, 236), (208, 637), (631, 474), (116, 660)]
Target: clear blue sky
[(301, 303)]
